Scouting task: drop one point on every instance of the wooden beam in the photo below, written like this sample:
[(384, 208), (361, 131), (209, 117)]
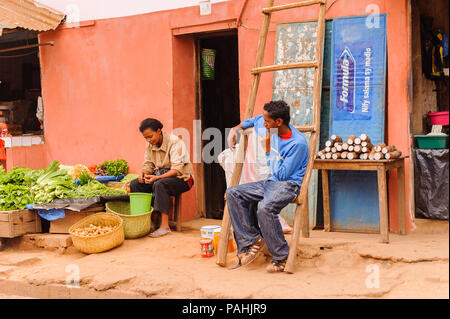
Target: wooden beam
[(236, 177), (383, 204), (305, 219), (292, 6), (401, 198), (26, 47), (326, 201), (290, 265), (288, 66), (306, 128)]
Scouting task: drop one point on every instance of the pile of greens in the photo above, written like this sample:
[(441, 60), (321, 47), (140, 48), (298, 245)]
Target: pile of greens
[(53, 183), (92, 189), (14, 197), (112, 168), (22, 186), (19, 176)]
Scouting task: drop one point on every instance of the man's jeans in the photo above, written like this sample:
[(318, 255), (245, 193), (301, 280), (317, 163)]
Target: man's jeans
[(254, 210)]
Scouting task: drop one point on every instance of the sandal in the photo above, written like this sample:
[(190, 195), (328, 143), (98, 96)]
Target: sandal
[(159, 233), (252, 251), (276, 266)]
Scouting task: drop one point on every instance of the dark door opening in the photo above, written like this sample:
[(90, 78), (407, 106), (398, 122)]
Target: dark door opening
[(219, 109), (20, 82)]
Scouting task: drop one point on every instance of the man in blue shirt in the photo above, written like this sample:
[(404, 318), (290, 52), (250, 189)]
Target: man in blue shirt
[(254, 207)]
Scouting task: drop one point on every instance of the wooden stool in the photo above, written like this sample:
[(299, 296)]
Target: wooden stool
[(175, 212)]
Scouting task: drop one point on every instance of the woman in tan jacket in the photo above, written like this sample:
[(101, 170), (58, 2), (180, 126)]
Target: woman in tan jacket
[(167, 170)]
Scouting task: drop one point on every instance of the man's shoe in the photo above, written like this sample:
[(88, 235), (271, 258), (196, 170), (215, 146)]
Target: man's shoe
[(276, 266), (252, 251)]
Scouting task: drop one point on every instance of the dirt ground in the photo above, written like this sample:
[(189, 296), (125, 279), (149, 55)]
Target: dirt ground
[(329, 265)]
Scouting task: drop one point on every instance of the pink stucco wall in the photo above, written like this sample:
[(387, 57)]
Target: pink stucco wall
[(100, 81)]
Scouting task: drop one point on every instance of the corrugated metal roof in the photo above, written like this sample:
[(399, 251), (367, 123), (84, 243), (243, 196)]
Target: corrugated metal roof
[(28, 14)]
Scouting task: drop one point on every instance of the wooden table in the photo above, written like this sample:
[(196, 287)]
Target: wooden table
[(381, 167)]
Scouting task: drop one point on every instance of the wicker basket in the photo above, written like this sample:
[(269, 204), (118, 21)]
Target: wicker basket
[(98, 244), (134, 226)]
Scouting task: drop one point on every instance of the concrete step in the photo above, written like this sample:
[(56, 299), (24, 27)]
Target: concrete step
[(58, 242), (431, 226)]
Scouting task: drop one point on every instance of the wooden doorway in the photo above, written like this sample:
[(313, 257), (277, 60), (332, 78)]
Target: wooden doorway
[(217, 107)]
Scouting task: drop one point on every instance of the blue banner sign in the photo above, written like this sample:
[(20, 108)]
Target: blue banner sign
[(358, 69), (358, 79)]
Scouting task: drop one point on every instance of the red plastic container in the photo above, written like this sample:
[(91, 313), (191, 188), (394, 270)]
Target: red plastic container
[(439, 118), (207, 247)]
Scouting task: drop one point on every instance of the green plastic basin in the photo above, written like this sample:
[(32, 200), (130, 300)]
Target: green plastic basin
[(134, 226), (431, 141)]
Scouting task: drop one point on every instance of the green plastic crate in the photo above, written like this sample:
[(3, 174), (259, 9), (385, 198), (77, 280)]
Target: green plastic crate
[(431, 141)]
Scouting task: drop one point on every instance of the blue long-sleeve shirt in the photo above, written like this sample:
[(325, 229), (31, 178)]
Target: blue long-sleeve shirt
[(287, 159)]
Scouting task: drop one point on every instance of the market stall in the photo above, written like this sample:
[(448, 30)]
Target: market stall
[(59, 196)]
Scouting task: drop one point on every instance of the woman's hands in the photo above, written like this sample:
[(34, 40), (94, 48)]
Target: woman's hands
[(141, 178), (148, 178), (151, 178)]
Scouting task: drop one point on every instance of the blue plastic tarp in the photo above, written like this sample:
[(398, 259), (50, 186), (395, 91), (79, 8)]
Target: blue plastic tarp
[(49, 214)]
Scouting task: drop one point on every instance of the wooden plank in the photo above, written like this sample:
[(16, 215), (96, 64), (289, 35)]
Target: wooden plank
[(226, 24), (383, 203), (177, 212), (288, 66), (200, 169), (346, 166), (290, 265), (401, 199), (295, 236), (292, 6), (5, 229), (306, 128), (305, 219), (22, 216), (226, 222), (326, 201), (62, 225), (236, 177), (19, 222)]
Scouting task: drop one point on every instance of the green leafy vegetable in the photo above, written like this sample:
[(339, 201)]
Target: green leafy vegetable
[(53, 183), (112, 168), (14, 197), (16, 176), (94, 188), (129, 178), (85, 178)]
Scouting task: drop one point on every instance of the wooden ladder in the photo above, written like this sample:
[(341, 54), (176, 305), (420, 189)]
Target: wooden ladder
[(301, 221)]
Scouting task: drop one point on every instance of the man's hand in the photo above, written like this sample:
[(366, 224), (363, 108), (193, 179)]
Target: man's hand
[(151, 179), (231, 139), (232, 136), (265, 142)]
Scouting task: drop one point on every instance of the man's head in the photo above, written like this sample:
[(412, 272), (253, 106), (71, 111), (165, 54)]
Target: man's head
[(276, 114), (151, 130)]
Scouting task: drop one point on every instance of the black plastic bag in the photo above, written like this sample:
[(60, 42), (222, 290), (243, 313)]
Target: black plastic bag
[(431, 183)]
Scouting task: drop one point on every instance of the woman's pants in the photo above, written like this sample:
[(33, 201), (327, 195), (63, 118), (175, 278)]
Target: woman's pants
[(162, 189)]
